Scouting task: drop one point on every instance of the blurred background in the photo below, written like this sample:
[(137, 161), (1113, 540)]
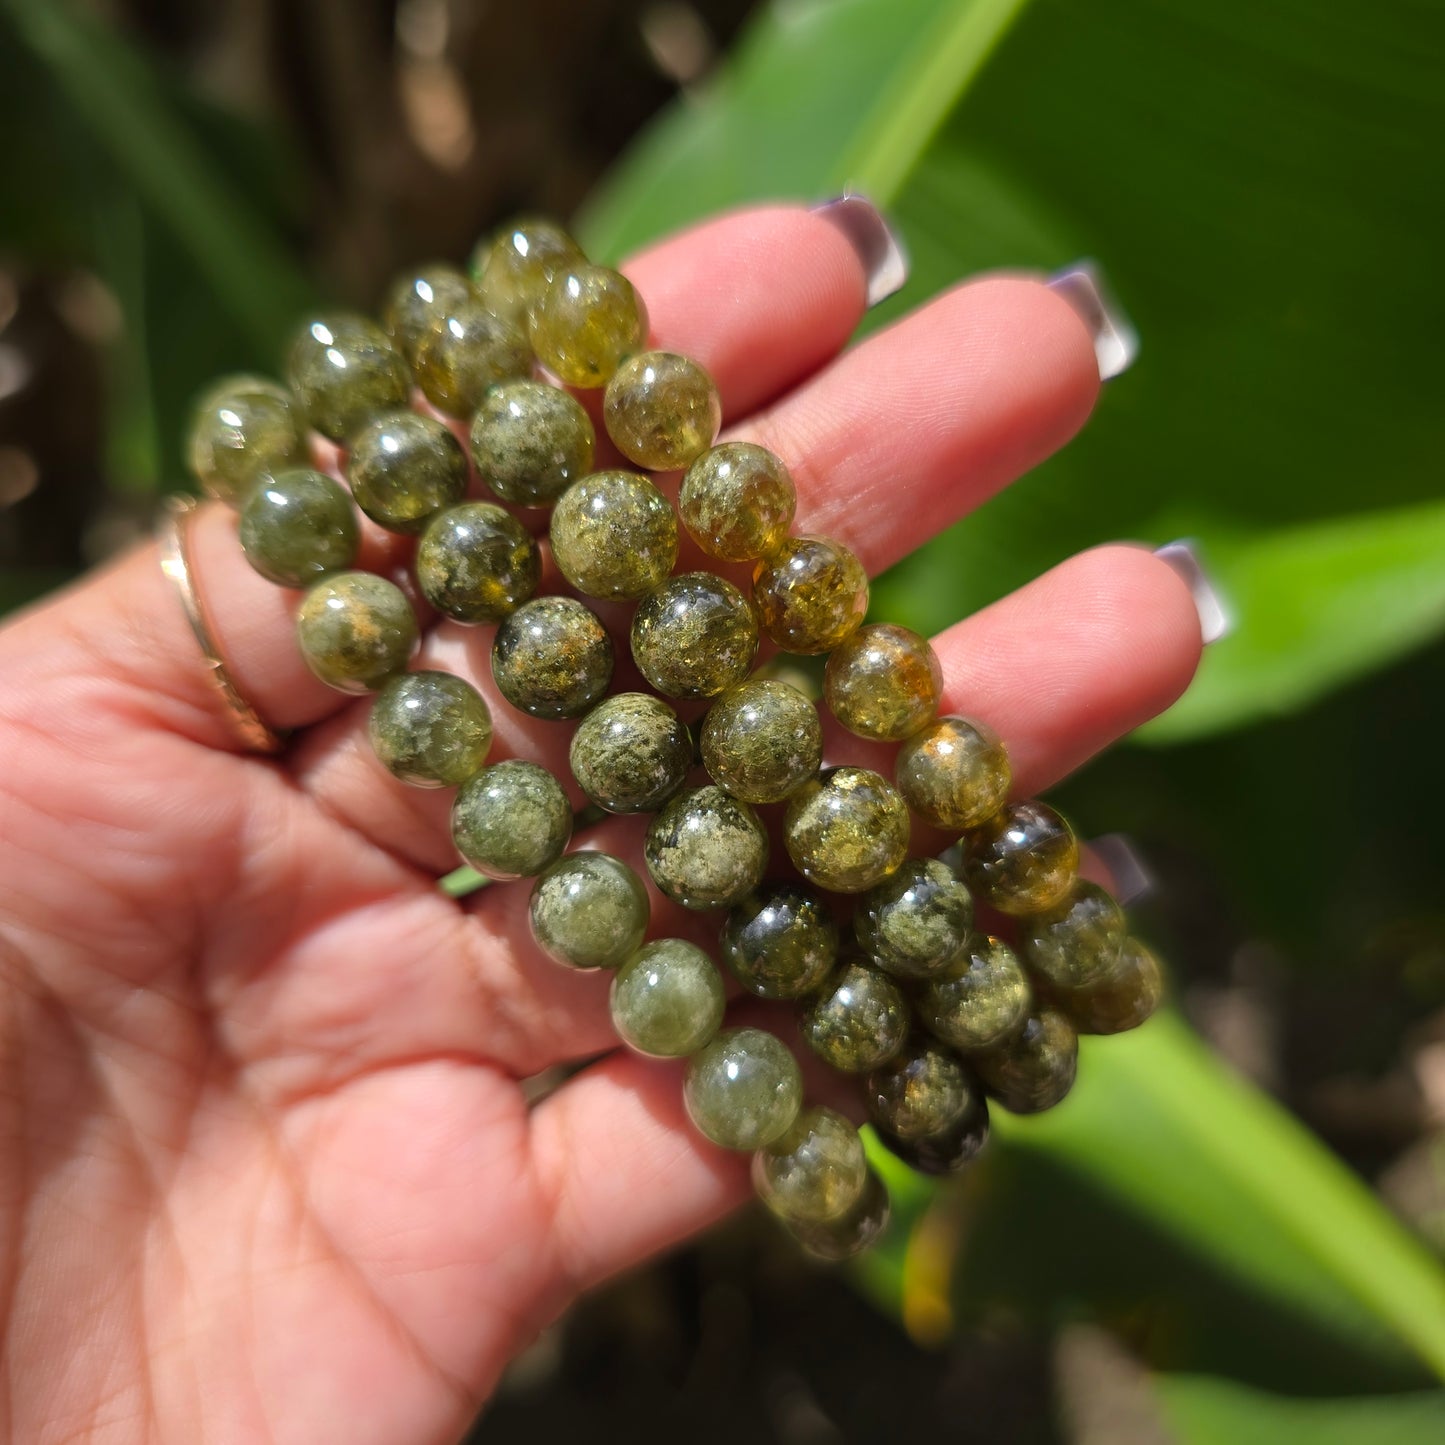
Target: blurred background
[(1233, 1231)]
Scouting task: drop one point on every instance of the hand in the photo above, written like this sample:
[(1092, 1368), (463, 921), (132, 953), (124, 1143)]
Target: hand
[(266, 1169)]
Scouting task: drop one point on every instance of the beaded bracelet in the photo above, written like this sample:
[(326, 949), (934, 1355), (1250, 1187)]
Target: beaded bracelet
[(937, 1015)]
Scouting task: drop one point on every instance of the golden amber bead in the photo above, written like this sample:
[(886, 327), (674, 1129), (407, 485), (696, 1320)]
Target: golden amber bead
[(816, 1171), (954, 774), (834, 1240), (810, 595), (614, 535), (589, 321), (514, 266), (883, 683), (1034, 1068), (1023, 859), (737, 502), (662, 410), (1077, 943), (921, 1093), (846, 830), (1122, 1001)]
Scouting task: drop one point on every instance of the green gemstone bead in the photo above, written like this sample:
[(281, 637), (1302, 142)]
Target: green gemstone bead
[(979, 999), (356, 630), (743, 1090), (920, 1094), (811, 595), (667, 999), (917, 921), (511, 820), (1077, 943), (466, 352), (694, 636), (476, 562), (661, 410), (243, 428), (846, 829), (816, 1172), (589, 320), (858, 1020), (954, 774), (1122, 1001), (1034, 1069), (514, 267), (947, 1152), (430, 729), (298, 526), (835, 1240), (737, 502), (631, 753), (614, 535), (404, 469), (705, 849), (780, 941), (589, 910), (420, 300), (531, 441), (342, 371), (884, 682), (552, 658), (1023, 859), (762, 740)]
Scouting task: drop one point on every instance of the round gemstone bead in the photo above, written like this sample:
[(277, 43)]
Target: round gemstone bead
[(430, 729), (420, 300), (916, 922), (851, 1233), (404, 468), (737, 502), (476, 562), (846, 829), (858, 1019), (589, 910), (531, 441), (242, 428), (552, 658), (811, 594), (516, 265), (780, 941), (464, 353), (949, 1151), (1122, 1001), (954, 774), (661, 410), (1033, 1069), (817, 1171), (694, 636), (667, 999), (883, 682), (343, 370), (511, 820), (705, 849), (762, 740), (614, 535), (1023, 859), (979, 999), (631, 753), (1077, 943), (920, 1094), (356, 630), (298, 526), (743, 1090), (589, 320)]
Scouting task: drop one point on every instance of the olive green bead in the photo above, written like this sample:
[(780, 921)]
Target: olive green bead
[(631, 753), (667, 999), (342, 371), (762, 740), (589, 320), (979, 999), (705, 849), (857, 1020), (780, 941), (883, 682), (948, 1151), (834, 1240), (1122, 1001), (466, 352), (954, 774), (661, 410), (405, 468), (531, 441), (743, 1090), (816, 1171), (420, 300), (476, 562), (694, 636), (1023, 859), (1077, 943), (552, 658), (614, 535), (513, 267), (916, 922), (430, 729), (243, 428), (810, 595), (1034, 1068), (846, 829), (298, 526), (737, 502), (919, 1094), (356, 630), (511, 820), (589, 910)]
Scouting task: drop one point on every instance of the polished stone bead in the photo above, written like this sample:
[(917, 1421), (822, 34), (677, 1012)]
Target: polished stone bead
[(552, 657), (661, 410), (947, 1152), (705, 849), (835, 1240), (780, 941), (614, 535), (1023, 859), (589, 910), (405, 468), (916, 922), (466, 352), (476, 562), (883, 682), (531, 441), (243, 428), (744, 1089), (1034, 1068), (513, 267), (762, 740), (297, 526), (979, 999), (631, 753), (588, 322), (811, 594), (954, 774), (1077, 943), (431, 729), (846, 829), (342, 371), (667, 999), (737, 502), (1122, 1001), (511, 820), (921, 1093), (694, 636), (420, 300), (857, 1020), (816, 1172), (356, 630)]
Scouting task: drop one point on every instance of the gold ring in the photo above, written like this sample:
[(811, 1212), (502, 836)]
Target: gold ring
[(176, 564)]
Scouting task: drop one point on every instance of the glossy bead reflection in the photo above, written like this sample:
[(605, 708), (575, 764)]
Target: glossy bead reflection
[(243, 428), (405, 468), (588, 321), (662, 410), (430, 729), (857, 1020), (706, 849), (780, 941), (979, 999), (847, 1236), (1023, 859), (667, 999), (1077, 943), (420, 300), (743, 1090), (954, 774), (631, 753), (465, 353), (1034, 1069), (614, 535), (513, 268), (476, 562), (694, 636), (355, 630), (762, 740), (343, 370), (948, 1151), (846, 830), (883, 682), (1122, 1001), (552, 658), (298, 526), (737, 502), (817, 1171), (531, 441), (810, 595), (511, 820), (916, 921), (920, 1094), (589, 910)]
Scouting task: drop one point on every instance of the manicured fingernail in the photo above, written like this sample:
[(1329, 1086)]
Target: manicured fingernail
[(1130, 874), (884, 263), (1116, 343), (1214, 619)]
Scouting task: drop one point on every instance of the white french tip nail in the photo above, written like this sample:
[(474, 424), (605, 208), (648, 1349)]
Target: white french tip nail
[(878, 248), (1116, 342), (1214, 619), (1130, 874)]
